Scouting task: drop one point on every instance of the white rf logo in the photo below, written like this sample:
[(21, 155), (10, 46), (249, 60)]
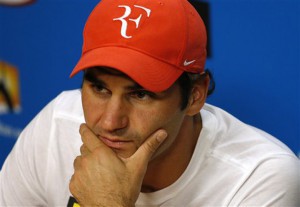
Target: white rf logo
[(136, 21)]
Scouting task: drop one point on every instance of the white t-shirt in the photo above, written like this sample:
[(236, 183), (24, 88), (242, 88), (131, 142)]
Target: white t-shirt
[(234, 164)]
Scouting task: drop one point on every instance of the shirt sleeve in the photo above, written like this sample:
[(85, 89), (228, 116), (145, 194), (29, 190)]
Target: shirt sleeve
[(22, 177), (275, 182)]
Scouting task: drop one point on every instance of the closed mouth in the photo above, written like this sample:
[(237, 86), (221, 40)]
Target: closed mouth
[(114, 143)]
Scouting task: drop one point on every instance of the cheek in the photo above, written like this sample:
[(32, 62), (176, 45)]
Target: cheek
[(172, 125), (89, 105), (170, 119), (143, 123), (147, 122)]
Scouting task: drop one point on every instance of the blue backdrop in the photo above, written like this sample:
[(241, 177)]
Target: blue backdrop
[(255, 59)]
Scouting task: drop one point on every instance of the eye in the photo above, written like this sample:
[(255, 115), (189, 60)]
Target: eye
[(99, 89), (142, 94)]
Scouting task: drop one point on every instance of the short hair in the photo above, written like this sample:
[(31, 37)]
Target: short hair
[(186, 82)]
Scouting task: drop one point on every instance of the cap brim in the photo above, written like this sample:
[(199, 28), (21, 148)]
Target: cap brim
[(147, 71)]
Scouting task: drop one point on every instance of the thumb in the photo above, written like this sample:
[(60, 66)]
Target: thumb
[(149, 147)]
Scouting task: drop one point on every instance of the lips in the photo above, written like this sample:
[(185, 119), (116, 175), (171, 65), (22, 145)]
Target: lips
[(115, 143)]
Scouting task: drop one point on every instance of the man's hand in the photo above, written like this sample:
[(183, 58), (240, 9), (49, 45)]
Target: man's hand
[(101, 178)]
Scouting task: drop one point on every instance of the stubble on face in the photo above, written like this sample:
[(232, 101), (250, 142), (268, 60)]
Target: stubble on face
[(162, 112)]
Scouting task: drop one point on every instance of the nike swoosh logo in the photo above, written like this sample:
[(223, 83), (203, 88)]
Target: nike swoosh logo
[(186, 63)]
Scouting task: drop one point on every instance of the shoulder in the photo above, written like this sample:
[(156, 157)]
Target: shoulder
[(239, 144), (237, 139), (68, 101), (66, 105), (49, 143), (59, 118), (263, 166), (273, 182)]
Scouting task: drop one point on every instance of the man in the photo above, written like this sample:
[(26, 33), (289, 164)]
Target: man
[(142, 140)]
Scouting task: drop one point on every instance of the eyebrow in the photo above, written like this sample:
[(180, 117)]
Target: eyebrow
[(91, 78)]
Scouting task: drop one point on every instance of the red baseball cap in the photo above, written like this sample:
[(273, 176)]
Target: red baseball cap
[(151, 41)]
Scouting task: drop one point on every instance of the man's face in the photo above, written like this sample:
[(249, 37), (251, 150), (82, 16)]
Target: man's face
[(123, 114)]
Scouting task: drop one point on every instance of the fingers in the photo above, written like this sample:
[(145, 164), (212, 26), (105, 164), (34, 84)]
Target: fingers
[(144, 153), (89, 139), (76, 163), (84, 151), (149, 147)]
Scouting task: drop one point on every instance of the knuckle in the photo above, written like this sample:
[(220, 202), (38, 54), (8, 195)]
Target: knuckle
[(84, 133), (83, 149), (76, 162), (72, 185), (84, 162), (80, 162)]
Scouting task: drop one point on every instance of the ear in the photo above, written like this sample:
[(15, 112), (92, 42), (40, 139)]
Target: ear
[(198, 96)]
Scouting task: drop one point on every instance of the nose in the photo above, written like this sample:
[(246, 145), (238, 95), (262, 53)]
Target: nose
[(115, 115)]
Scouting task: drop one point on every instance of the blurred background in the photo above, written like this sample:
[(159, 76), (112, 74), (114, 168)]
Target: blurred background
[(254, 55)]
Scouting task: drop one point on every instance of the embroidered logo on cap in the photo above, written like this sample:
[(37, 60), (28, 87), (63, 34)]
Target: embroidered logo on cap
[(186, 63), (127, 14)]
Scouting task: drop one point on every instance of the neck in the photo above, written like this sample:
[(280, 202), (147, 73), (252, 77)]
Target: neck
[(166, 169)]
